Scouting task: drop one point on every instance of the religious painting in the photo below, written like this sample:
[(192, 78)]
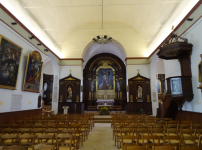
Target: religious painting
[(105, 79), (32, 80), (10, 55), (175, 84)]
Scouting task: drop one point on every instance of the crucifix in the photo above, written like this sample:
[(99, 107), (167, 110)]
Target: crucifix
[(138, 71)]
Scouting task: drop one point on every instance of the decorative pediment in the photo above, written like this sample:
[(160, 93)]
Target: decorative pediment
[(138, 78), (69, 78)]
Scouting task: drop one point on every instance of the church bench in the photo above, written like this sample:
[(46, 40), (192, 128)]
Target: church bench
[(116, 108), (92, 108)]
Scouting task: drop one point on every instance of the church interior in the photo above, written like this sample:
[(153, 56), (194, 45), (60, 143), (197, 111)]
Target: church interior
[(100, 74)]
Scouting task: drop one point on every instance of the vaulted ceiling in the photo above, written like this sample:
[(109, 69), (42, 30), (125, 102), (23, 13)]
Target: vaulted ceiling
[(135, 24)]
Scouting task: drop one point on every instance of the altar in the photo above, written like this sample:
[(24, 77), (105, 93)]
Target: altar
[(105, 102)]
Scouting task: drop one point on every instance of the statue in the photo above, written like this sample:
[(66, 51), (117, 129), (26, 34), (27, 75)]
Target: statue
[(139, 92), (92, 85), (69, 91)]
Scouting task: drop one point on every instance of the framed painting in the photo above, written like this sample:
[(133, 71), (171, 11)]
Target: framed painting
[(10, 56), (105, 79), (32, 80)]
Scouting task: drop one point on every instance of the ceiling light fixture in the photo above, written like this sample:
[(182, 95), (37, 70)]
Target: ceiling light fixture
[(102, 39)]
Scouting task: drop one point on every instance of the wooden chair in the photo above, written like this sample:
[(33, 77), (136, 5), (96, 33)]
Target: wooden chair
[(8, 140), (22, 131), (64, 141), (185, 126), (186, 122), (118, 133), (173, 132), (198, 132), (173, 122), (191, 141), (159, 126), (188, 132), (135, 148), (46, 139), (142, 132), (51, 131), (172, 141), (127, 140), (26, 140), (158, 132), (169, 126), (8, 131), (43, 147), (164, 148), (126, 131), (76, 139), (36, 131), (151, 140), (16, 147)]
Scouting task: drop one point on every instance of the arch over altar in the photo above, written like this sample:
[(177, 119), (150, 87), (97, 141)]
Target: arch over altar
[(104, 81)]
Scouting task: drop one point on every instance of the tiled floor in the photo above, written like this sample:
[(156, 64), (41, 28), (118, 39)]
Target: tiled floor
[(100, 138)]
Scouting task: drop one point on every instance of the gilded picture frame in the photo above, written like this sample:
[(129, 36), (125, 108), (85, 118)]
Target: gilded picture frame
[(32, 79), (10, 58)]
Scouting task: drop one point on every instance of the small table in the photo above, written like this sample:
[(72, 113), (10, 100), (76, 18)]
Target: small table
[(65, 109)]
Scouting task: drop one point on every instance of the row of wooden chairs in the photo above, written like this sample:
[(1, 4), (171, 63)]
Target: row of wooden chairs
[(119, 132), (159, 148), (148, 141), (66, 141)]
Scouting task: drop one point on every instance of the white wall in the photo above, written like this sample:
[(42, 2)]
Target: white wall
[(48, 67), (29, 99), (160, 67)]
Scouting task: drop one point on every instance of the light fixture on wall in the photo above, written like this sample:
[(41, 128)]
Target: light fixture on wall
[(102, 39), (14, 23), (31, 37)]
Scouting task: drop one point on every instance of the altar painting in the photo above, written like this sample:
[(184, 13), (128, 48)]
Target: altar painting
[(105, 79)]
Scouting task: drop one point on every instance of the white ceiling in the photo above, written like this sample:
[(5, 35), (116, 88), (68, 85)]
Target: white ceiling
[(135, 24)]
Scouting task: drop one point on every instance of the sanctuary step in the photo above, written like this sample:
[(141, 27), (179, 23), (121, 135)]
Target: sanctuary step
[(102, 118)]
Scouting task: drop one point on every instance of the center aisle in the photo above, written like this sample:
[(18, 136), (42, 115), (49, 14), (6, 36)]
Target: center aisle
[(99, 138)]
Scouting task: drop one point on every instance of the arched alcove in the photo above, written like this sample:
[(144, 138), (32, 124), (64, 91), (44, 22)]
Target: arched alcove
[(104, 62)]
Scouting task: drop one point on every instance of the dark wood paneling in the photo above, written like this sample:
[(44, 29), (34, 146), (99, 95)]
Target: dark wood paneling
[(134, 108), (8, 117), (195, 117), (74, 108)]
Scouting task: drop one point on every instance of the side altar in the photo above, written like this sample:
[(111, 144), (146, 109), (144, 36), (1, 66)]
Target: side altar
[(69, 95)]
